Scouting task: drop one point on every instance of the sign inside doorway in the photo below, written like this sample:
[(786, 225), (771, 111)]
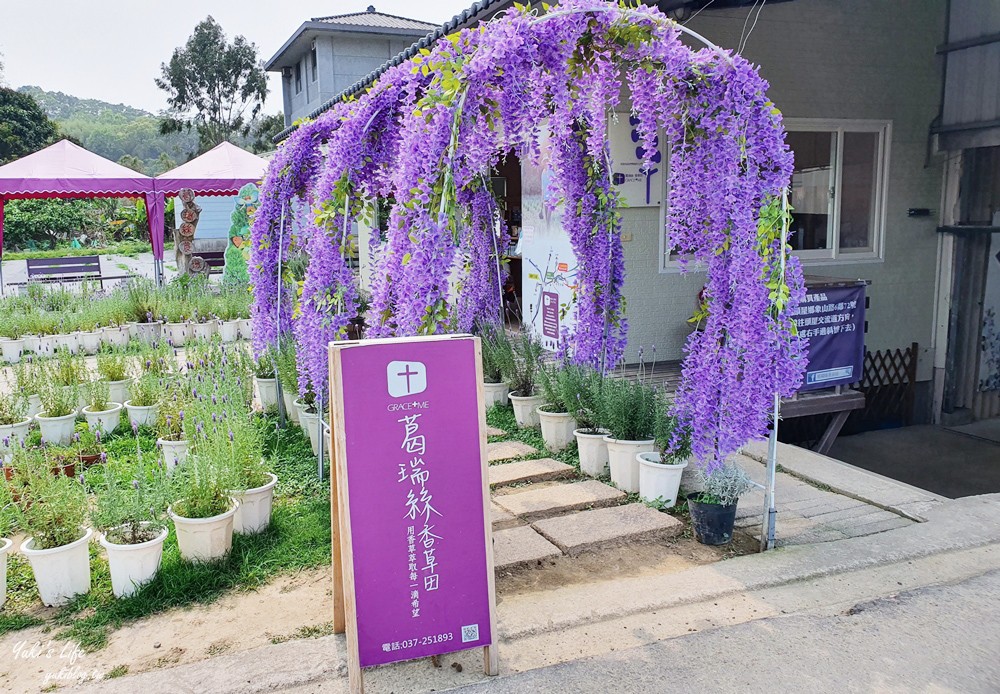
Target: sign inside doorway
[(413, 516)]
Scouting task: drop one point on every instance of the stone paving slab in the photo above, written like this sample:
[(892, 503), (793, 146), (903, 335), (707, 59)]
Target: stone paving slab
[(538, 470), (505, 450), (561, 498), (891, 522), (502, 519), (521, 546), (493, 431), (607, 527)]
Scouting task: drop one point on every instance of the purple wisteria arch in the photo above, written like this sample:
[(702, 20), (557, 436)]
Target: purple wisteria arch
[(425, 137)]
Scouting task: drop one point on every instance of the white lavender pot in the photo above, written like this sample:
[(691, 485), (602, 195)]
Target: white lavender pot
[(204, 539), (11, 434), (90, 342), (267, 391), (34, 404), (118, 390), (593, 451), (133, 566), (310, 422), (148, 332), (204, 331), (495, 394), (526, 409), (57, 431), (31, 343), (177, 333), (11, 349), (143, 416), (291, 411), (659, 481), (254, 512), (104, 421), (557, 428), (624, 463), (245, 330), (69, 342), (229, 330), (117, 335), (61, 573), (174, 453)]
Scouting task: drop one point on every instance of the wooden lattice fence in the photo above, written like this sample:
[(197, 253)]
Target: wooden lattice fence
[(889, 384)]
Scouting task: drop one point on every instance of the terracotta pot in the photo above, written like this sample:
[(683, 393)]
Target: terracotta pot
[(68, 469), (89, 460)]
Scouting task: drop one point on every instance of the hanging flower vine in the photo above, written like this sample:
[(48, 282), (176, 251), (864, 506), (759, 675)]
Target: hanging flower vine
[(427, 134)]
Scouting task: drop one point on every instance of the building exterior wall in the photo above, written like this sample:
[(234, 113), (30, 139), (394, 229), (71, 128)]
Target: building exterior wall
[(829, 59), (342, 59)]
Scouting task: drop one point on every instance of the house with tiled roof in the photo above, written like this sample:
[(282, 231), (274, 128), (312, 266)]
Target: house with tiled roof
[(326, 55)]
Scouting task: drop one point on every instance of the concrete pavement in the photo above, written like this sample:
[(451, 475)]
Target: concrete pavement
[(639, 628), (944, 638)]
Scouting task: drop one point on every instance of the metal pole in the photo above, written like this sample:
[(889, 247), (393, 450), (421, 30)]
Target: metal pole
[(767, 533), (770, 513)]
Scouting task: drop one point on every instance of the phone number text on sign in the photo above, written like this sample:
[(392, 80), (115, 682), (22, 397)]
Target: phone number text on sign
[(423, 641)]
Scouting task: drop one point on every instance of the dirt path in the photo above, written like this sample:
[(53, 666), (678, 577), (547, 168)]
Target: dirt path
[(296, 606)]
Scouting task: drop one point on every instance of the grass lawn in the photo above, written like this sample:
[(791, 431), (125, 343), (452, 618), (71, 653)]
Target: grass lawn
[(299, 538), (129, 249)]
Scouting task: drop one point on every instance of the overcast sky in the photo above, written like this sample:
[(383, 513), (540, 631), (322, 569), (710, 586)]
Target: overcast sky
[(112, 49)]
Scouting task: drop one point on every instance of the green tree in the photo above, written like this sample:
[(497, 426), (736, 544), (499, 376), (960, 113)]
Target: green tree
[(132, 162), (215, 86), (264, 132), (24, 127)]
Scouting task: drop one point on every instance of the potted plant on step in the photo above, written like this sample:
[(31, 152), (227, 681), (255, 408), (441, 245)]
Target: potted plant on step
[(522, 376), (629, 415), (58, 416), (14, 420), (203, 509), (713, 509), (144, 406), (556, 421), (114, 369), (498, 360), (586, 406), (102, 415), (660, 472), (52, 511), (128, 510)]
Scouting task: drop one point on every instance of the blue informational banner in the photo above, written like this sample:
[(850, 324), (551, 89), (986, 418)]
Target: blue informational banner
[(832, 318)]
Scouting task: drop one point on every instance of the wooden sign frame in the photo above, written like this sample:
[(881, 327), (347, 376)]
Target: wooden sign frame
[(344, 607)]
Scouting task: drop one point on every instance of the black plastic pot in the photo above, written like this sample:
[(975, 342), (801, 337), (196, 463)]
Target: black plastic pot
[(713, 524)]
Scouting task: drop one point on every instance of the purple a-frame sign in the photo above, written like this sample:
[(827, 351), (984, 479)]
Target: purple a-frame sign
[(409, 432)]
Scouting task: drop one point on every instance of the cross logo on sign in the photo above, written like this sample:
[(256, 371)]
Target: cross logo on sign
[(406, 378)]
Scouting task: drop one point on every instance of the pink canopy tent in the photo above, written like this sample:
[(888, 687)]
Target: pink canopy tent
[(66, 170), (222, 170)]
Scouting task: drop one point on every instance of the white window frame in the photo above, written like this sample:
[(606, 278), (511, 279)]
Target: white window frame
[(833, 255)]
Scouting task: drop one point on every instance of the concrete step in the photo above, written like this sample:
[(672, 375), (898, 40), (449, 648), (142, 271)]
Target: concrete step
[(608, 527), (533, 504), (538, 470), (521, 547), (505, 450)]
